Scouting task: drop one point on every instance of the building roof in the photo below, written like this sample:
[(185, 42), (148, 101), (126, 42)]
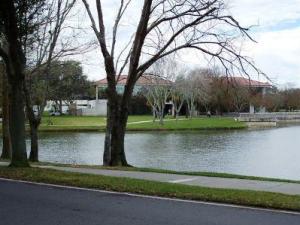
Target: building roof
[(242, 81), (144, 80)]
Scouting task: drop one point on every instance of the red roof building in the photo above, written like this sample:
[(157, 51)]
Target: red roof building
[(246, 82), (142, 81), (145, 80)]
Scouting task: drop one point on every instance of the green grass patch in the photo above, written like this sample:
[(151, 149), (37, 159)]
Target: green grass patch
[(97, 123), (84, 120), (154, 170), (73, 121), (200, 123), (241, 197), (205, 174)]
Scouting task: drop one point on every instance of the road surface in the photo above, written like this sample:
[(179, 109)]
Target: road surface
[(24, 204)]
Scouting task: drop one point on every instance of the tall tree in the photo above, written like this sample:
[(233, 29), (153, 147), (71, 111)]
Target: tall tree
[(177, 93), (163, 27), (15, 63), (43, 25), (36, 26), (192, 90), (240, 97), (157, 95), (151, 100)]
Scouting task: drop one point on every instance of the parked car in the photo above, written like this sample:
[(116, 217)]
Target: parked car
[(54, 113)]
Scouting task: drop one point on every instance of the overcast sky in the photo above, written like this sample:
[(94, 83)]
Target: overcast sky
[(277, 32)]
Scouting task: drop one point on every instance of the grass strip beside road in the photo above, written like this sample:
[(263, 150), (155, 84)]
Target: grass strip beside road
[(164, 171), (240, 197), (205, 174)]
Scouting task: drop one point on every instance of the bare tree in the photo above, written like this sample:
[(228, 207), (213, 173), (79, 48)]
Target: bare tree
[(240, 97), (191, 93), (202, 79), (177, 92), (148, 92), (164, 27), (177, 96), (42, 47), (161, 93), (39, 24), (274, 101), (162, 72), (157, 95)]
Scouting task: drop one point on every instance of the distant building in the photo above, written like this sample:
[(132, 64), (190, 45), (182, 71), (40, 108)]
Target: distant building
[(255, 87), (75, 107), (143, 81), (100, 106)]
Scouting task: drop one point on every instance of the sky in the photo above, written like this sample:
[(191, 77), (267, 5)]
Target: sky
[(276, 30), (277, 51)]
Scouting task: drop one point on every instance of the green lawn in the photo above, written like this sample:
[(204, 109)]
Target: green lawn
[(95, 123), (250, 198), (85, 120), (73, 121), (201, 123)]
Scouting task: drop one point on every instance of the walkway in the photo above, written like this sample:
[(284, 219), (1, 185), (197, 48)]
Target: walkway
[(212, 182), (151, 121)]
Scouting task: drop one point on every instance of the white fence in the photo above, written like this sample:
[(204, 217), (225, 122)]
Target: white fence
[(98, 109)]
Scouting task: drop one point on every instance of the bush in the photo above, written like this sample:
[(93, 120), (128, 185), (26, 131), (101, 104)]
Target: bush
[(139, 106)]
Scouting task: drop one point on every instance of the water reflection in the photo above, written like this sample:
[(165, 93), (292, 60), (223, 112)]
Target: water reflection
[(269, 153)]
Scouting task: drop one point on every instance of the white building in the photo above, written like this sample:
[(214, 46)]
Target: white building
[(80, 107)]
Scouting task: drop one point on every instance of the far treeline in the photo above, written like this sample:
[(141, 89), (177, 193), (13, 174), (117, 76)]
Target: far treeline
[(207, 92)]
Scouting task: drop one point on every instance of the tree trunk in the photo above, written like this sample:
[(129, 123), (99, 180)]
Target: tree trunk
[(154, 113), (34, 122), (118, 157), (17, 124), (60, 107), (107, 140), (114, 152), (176, 115), (15, 62), (189, 110), (6, 148), (161, 117), (34, 151)]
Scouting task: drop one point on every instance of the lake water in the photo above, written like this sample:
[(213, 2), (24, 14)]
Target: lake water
[(269, 152)]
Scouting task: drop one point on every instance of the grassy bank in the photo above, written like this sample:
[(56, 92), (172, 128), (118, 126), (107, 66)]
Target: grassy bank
[(250, 198), (137, 123), (205, 174), (154, 170), (202, 123)]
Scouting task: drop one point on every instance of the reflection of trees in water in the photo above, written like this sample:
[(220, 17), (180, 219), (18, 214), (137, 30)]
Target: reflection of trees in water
[(257, 152)]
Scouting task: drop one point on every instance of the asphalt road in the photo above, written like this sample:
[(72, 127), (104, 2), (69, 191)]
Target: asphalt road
[(30, 204)]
